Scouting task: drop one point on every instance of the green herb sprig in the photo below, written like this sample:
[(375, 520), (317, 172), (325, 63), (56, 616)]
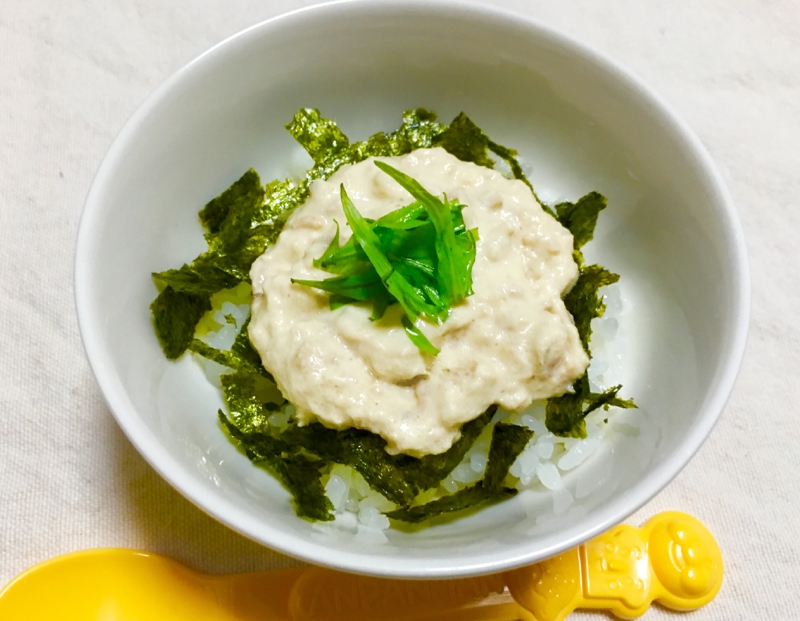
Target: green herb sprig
[(419, 256)]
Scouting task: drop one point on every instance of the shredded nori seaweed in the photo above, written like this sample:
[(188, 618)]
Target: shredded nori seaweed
[(467, 142), (580, 219), (320, 137), (431, 469), (245, 219), (236, 199), (175, 316), (299, 474), (249, 411), (233, 245), (398, 477), (241, 357), (363, 451), (508, 441), (200, 278), (243, 349), (565, 415), (583, 300), (466, 498)]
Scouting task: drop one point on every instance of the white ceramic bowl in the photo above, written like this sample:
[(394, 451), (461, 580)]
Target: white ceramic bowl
[(581, 121)]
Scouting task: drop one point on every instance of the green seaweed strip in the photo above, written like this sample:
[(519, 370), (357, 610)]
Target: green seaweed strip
[(233, 246), (199, 278), (320, 137), (508, 441), (243, 349), (565, 415), (223, 357), (580, 219), (236, 243), (361, 450), (510, 158), (428, 471), (175, 317), (398, 477), (466, 141), (298, 474), (469, 143), (583, 301), (229, 358), (238, 197), (301, 477), (417, 131), (467, 498), (248, 412)]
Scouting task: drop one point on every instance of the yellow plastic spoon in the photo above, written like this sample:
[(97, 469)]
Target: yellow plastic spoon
[(672, 559)]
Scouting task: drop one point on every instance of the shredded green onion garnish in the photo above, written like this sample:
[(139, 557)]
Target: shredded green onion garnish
[(419, 256)]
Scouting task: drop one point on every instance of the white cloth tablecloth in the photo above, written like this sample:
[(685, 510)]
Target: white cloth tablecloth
[(71, 73)]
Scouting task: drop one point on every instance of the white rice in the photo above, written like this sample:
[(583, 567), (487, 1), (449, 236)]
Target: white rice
[(359, 511)]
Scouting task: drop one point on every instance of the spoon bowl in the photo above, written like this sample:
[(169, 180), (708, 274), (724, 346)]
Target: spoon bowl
[(111, 583)]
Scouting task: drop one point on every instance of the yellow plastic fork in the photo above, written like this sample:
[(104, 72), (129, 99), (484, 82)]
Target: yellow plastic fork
[(673, 559)]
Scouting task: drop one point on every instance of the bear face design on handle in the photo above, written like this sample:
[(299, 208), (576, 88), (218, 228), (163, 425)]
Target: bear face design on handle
[(686, 560)]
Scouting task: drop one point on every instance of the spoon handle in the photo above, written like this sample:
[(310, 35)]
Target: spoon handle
[(257, 596), (673, 559), (325, 595)]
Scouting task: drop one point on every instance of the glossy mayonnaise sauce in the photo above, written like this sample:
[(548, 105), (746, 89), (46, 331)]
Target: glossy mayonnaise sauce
[(510, 343)]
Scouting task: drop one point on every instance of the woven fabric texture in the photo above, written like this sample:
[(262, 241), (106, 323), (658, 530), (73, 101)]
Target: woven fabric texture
[(71, 73)]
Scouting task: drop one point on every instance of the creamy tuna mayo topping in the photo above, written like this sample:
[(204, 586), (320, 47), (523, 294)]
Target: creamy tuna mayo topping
[(510, 343)]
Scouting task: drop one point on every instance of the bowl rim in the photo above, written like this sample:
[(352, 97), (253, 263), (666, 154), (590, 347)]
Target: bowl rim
[(312, 551)]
